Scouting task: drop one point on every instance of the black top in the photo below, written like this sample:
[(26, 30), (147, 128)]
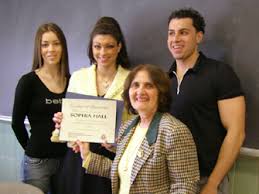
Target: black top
[(34, 100), (196, 105)]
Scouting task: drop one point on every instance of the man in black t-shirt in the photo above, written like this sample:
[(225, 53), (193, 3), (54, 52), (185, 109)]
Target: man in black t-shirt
[(208, 98)]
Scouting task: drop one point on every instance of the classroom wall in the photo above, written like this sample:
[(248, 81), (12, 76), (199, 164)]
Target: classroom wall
[(231, 35)]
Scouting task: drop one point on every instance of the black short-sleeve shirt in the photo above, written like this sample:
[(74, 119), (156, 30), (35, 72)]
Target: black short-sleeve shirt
[(194, 102)]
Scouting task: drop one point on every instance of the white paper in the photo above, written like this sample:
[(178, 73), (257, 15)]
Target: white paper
[(88, 120)]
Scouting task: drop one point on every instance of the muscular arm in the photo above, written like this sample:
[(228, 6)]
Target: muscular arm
[(232, 115)]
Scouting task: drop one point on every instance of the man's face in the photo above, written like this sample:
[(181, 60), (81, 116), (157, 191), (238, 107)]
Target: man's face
[(183, 39)]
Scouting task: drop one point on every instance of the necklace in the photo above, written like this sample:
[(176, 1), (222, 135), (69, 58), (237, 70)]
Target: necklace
[(106, 84)]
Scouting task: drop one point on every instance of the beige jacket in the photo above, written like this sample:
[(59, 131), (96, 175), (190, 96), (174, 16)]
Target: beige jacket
[(166, 161)]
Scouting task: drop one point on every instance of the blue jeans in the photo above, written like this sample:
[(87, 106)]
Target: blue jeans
[(39, 171), (223, 187)]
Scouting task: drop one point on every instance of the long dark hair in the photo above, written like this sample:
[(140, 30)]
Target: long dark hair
[(109, 26), (37, 58)]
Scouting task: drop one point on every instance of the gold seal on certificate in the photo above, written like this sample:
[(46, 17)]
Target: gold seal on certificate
[(88, 120)]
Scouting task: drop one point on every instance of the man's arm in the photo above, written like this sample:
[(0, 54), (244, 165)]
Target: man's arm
[(232, 115)]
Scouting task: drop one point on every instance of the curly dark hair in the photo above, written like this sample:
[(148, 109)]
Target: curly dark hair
[(109, 26), (159, 78), (197, 19)]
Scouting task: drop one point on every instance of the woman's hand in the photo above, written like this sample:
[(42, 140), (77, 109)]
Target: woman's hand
[(84, 148), (57, 118)]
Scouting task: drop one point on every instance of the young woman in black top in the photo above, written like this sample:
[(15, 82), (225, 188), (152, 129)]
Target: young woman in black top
[(38, 96)]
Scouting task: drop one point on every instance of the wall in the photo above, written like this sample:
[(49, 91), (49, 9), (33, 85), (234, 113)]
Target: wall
[(231, 35), (244, 176), (11, 154)]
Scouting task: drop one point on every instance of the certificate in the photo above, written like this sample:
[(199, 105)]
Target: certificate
[(88, 120), (119, 106)]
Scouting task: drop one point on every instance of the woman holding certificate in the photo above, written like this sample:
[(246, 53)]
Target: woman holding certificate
[(105, 77), (155, 152), (38, 96)]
